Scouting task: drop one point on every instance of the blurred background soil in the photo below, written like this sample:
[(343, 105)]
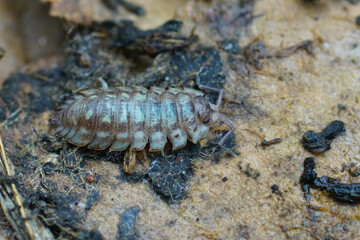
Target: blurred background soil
[(289, 66)]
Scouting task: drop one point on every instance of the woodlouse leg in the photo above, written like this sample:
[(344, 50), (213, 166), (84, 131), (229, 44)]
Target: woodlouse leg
[(227, 135), (223, 118), (211, 89), (144, 154), (129, 161), (104, 84)]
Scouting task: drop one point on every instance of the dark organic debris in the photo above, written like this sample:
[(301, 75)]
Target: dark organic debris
[(56, 212), (355, 171), (91, 235), (48, 168), (345, 192), (2, 52), (124, 35), (170, 174), (308, 176), (243, 232), (131, 7), (248, 170), (50, 143), (71, 158), (357, 20), (270, 142), (92, 198), (93, 54), (88, 154), (320, 142), (126, 228), (91, 57), (349, 193), (26, 93), (8, 179), (87, 61), (353, 168), (180, 69), (49, 185), (13, 207), (274, 188), (256, 51), (134, 178), (311, 1), (229, 19), (353, 1), (212, 148), (333, 130), (74, 160)]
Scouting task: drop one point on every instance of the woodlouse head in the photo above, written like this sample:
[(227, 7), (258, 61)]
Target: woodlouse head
[(206, 114)]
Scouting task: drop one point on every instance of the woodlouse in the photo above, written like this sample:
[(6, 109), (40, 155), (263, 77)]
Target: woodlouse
[(128, 118)]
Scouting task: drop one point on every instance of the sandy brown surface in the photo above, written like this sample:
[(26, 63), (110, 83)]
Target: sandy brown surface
[(83, 11), (289, 96)]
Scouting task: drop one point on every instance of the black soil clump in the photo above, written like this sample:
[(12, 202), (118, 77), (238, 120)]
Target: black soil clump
[(127, 230), (32, 94), (343, 192), (57, 212), (320, 142), (214, 151), (170, 174), (124, 35)]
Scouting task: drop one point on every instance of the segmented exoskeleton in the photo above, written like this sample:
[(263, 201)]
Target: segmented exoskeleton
[(128, 118)]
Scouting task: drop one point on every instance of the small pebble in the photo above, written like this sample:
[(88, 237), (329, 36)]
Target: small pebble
[(274, 188)]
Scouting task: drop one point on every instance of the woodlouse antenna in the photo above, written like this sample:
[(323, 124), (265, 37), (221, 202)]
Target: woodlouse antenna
[(211, 89), (217, 106), (227, 135)]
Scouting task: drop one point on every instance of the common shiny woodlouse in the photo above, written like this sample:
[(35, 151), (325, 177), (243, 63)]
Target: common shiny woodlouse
[(128, 118)]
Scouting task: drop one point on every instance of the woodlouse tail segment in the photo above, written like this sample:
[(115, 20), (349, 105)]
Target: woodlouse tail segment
[(227, 135), (56, 118)]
